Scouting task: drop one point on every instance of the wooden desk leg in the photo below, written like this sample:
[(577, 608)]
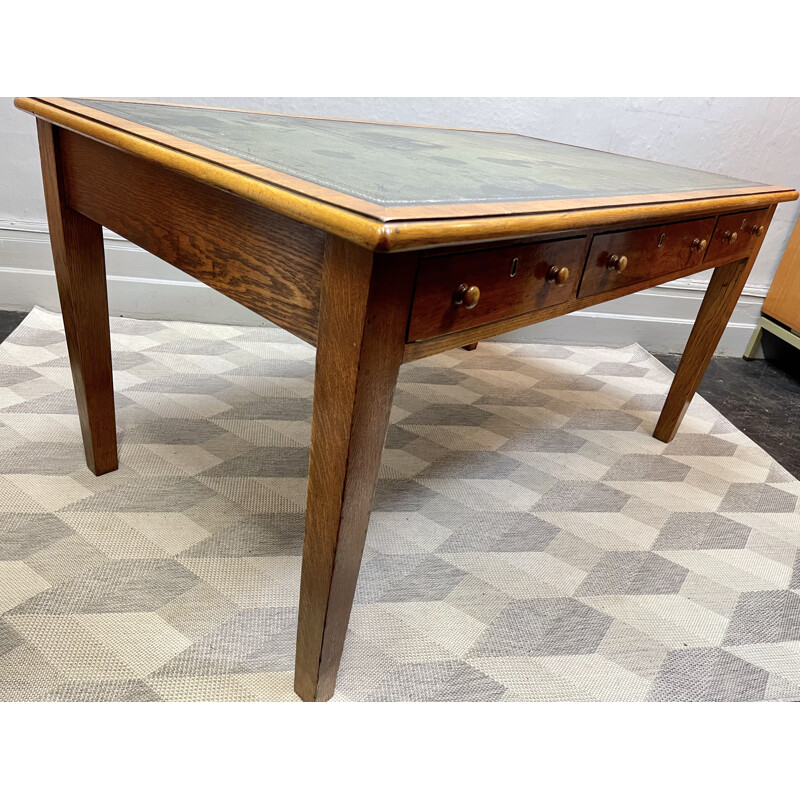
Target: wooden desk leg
[(721, 296), (364, 307), (77, 244)]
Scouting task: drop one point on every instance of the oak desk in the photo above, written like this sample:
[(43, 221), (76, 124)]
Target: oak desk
[(379, 244)]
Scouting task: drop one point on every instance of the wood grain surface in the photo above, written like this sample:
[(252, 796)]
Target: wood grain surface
[(77, 244), (364, 310), (502, 294), (653, 251), (718, 303), (439, 344), (740, 223), (266, 262), (783, 298)]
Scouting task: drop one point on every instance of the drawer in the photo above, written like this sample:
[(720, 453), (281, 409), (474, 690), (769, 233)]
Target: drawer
[(736, 234), (506, 282), (625, 257)]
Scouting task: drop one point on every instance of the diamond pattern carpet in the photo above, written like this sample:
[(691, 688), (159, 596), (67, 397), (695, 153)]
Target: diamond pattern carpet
[(530, 539)]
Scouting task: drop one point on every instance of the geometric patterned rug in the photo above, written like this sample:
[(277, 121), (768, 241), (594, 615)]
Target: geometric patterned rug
[(530, 539)]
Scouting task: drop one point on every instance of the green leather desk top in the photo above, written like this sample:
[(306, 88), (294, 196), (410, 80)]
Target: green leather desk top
[(396, 165)]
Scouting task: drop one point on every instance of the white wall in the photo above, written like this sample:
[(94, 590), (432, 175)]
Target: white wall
[(752, 138)]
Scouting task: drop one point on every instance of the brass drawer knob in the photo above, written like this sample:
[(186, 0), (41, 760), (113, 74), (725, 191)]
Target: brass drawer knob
[(557, 275), (729, 237), (467, 295), (699, 245), (617, 263), (757, 230)]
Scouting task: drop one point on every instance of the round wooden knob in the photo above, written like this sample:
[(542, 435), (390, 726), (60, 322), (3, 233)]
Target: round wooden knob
[(729, 237), (617, 263), (557, 275), (467, 295), (757, 230), (699, 245)]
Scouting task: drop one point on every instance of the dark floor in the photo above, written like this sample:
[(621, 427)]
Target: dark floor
[(761, 398), (8, 321)]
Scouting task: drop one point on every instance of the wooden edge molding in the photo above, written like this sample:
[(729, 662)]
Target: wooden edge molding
[(430, 233), (384, 236), (521, 207)]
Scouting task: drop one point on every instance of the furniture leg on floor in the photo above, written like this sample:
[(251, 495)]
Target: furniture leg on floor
[(363, 315), (715, 311), (77, 244)]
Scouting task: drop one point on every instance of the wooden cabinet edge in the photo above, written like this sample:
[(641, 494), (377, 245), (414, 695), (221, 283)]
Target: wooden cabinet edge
[(782, 302)]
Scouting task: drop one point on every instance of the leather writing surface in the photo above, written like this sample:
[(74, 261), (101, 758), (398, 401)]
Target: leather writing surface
[(395, 165)]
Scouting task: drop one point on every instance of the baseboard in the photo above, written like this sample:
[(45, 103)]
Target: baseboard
[(140, 285), (656, 334)]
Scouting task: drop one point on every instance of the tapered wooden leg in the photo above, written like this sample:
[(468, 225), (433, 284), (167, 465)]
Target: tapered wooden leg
[(364, 307), (472, 346), (721, 296), (77, 244)]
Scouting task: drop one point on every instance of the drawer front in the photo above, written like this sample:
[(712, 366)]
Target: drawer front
[(626, 257), (509, 281), (736, 234)]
